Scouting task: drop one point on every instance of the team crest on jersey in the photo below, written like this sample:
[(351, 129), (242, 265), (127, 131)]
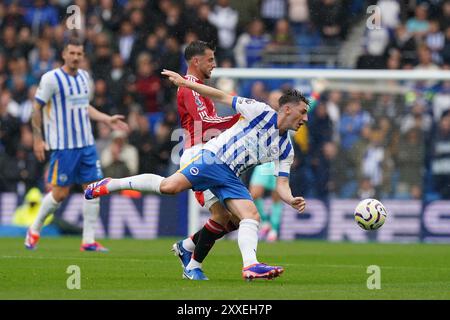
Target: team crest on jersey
[(274, 150), (63, 178), (199, 103), (194, 171)]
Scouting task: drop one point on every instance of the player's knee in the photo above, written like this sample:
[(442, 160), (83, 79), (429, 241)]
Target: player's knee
[(168, 187), (60, 195), (253, 214)]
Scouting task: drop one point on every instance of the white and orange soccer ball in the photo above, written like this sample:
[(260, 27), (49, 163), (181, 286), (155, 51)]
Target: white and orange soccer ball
[(370, 214)]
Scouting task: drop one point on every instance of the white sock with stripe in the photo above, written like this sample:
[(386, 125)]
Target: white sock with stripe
[(91, 210), (248, 241), (147, 182), (188, 244), (48, 206)]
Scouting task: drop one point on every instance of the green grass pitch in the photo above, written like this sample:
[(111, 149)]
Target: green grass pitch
[(147, 269)]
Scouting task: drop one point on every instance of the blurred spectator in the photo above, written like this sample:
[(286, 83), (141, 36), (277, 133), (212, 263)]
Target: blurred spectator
[(372, 162), (333, 104), (175, 22), (330, 19), (41, 59), (320, 134), (40, 14), (366, 189), (101, 62), (26, 107), (248, 11), (390, 11), (419, 25), (409, 161), (440, 158), (116, 83), (250, 45), (163, 148), (9, 126), (109, 13), (225, 19), (28, 211), (282, 39), (120, 149), (352, 122), (144, 141), (103, 137), (202, 26), (126, 39), (259, 92), (435, 41), (441, 100), (405, 43), (444, 17), (9, 43), (11, 15), (298, 15), (417, 118), (445, 52), (117, 168), (272, 11), (148, 84), (102, 99)]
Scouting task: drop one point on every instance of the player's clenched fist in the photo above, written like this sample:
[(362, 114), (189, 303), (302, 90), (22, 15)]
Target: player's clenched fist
[(298, 203)]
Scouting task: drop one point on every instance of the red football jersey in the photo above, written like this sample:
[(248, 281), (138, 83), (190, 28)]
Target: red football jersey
[(199, 117)]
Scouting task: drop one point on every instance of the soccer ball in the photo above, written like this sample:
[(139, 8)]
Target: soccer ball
[(370, 214)]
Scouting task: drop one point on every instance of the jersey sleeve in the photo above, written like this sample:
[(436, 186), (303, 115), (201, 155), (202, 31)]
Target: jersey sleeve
[(284, 162), (249, 108), (46, 89), (91, 86), (196, 107)]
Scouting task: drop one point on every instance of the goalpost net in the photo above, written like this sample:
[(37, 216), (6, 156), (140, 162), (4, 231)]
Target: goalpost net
[(374, 134)]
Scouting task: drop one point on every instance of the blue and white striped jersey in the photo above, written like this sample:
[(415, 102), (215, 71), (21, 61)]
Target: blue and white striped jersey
[(65, 99), (253, 140)]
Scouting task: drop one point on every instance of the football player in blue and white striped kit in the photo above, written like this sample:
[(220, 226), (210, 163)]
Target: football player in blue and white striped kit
[(63, 110), (260, 136)]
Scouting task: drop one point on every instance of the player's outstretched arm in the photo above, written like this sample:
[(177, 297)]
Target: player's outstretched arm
[(284, 190), (115, 122), (38, 140), (204, 90)]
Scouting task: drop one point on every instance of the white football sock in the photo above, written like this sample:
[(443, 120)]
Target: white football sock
[(48, 206), (193, 264), (91, 210), (142, 182), (248, 240), (188, 244)]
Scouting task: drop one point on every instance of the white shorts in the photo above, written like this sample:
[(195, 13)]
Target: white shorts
[(187, 156)]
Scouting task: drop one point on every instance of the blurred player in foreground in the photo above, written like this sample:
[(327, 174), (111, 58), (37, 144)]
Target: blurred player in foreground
[(63, 98), (262, 136), (200, 122)]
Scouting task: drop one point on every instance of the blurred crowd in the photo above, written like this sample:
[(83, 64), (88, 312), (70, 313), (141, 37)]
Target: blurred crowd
[(355, 145)]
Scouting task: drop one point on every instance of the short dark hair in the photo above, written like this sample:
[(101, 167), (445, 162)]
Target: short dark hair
[(292, 95), (197, 47), (73, 41)]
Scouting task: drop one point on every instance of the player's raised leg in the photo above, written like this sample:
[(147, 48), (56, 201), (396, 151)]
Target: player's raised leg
[(147, 182)]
